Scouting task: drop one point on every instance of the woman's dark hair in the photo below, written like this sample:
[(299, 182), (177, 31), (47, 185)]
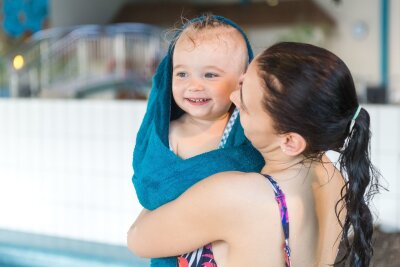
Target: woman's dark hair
[(310, 91)]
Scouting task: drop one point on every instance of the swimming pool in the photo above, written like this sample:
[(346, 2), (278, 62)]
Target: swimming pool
[(18, 249)]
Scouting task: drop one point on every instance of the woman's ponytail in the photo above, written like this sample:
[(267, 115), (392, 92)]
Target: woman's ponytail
[(360, 186)]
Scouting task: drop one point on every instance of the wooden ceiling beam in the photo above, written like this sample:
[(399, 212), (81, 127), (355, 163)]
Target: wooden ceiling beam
[(251, 14)]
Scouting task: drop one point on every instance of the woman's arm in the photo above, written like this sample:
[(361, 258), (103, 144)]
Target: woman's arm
[(140, 216), (204, 213)]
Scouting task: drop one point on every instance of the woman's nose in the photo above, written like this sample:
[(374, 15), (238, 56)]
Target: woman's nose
[(235, 98), (241, 78)]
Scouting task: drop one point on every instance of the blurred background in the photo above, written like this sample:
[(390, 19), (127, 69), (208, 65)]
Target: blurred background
[(74, 79)]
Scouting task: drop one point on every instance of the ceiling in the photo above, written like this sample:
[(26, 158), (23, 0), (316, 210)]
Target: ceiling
[(245, 13)]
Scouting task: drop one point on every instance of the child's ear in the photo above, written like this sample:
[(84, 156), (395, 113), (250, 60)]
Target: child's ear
[(293, 144)]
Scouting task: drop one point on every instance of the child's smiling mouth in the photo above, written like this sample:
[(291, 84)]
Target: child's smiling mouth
[(198, 101)]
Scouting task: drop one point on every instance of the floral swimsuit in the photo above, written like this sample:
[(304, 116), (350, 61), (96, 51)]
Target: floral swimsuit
[(204, 257)]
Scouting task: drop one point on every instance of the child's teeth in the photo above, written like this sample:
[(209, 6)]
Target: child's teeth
[(198, 100)]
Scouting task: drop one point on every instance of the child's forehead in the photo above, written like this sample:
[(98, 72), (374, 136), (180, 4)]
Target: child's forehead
[(225, 40), (223, 44), (217, 35)]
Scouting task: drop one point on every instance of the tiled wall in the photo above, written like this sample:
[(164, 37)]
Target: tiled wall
[(65, 166), (385, 154), (385, 150)]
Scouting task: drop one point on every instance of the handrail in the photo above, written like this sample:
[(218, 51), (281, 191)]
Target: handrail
[(56, 57)]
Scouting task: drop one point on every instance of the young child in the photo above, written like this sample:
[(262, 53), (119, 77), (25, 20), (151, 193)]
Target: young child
[(196, 132), (207, 66), (297, 102)]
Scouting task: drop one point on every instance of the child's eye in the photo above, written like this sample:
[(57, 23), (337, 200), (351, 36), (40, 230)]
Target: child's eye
[(211, 75), (181, 74)]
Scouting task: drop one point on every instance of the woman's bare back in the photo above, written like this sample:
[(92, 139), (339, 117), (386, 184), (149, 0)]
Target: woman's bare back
[(314, 229)]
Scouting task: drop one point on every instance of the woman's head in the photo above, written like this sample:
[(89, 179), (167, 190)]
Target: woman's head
[(208, 58), (309, 91)]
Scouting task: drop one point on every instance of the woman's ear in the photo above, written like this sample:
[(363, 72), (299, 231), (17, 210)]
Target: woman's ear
[(293, 144)]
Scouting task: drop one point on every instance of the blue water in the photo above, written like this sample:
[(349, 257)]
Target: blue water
[(30, 250)]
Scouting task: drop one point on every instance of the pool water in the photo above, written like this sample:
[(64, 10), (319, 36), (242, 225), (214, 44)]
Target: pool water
[(19, 249)]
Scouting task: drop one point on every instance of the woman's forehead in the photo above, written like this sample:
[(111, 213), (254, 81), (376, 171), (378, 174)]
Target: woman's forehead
[(252, 82), (251, 72)]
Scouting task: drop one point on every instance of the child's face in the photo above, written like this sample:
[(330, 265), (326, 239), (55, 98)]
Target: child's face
[(205, 72)]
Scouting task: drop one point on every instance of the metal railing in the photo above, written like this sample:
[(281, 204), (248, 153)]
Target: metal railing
[(81, 61)]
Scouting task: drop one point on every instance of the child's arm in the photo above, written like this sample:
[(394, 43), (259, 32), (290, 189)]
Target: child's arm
[(207, 212)]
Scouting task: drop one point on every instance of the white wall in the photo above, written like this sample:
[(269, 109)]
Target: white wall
[(65, 167), (361, 55), (394, 51), (385, 150)]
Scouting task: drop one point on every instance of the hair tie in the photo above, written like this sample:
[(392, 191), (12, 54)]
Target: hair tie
[(353, 120)]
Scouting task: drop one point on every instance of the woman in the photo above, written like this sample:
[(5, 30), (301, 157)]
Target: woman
[(297, 101)]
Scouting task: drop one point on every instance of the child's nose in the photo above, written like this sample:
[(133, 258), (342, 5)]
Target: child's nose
[(195, 85)]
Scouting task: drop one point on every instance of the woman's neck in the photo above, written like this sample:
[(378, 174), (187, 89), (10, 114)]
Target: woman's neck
[(279, 162)]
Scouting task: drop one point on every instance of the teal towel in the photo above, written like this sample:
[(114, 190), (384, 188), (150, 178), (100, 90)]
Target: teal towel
[(159, 175)]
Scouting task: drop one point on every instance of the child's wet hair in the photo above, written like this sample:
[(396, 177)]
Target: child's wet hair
[(195, 31), (206, 21)]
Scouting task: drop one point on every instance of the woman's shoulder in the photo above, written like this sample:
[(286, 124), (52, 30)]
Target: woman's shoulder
[(239, 189), (236, 180), (328, 173)]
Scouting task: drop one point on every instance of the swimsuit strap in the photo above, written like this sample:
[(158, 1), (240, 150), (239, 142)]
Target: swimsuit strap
[(281, 200), (228, 128)]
